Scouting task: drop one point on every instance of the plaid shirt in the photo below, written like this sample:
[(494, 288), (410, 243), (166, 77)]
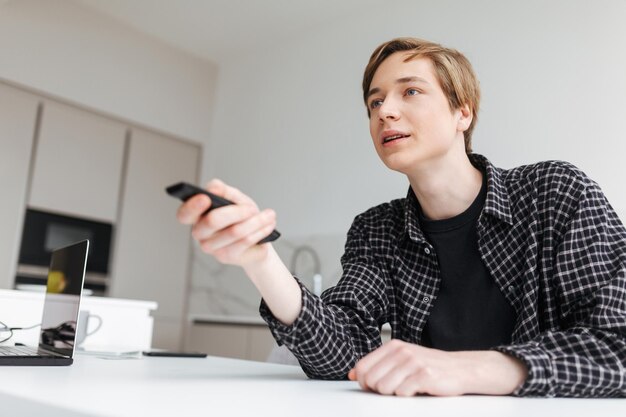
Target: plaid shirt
[(555, 248)]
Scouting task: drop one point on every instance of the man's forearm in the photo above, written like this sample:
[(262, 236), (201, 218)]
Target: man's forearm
[(279, 289)]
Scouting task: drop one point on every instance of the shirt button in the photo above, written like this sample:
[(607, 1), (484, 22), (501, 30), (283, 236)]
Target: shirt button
[(427, 251), (426, 299)]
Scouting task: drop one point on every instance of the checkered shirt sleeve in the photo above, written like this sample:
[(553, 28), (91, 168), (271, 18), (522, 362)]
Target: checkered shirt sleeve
[(334, 331)]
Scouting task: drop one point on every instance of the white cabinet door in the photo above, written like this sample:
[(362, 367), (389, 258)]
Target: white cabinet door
[(78, 163), (253, 342), (225, 340), (260, 343), (18, 113), (152, 250)]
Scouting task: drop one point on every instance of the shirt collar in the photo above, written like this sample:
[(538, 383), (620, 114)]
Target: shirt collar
[(497, 203)]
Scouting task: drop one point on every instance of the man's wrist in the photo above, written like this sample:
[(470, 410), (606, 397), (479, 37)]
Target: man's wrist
[(279, 289), (260, 268), (492, 372)]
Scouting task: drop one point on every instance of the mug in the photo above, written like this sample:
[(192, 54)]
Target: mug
[(82, 329)]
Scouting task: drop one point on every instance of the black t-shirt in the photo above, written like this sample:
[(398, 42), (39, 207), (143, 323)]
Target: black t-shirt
[(470, 312)]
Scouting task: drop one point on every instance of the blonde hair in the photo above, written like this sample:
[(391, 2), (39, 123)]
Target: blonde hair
[(452, 69)]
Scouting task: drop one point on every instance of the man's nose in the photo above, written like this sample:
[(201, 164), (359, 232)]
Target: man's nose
[(388, 110)]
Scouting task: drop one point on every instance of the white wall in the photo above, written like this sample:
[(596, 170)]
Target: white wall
[(289, 127), (291, 131), (68, 51)]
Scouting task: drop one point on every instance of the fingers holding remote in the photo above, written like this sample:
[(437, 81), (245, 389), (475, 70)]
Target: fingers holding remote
[(215, 220), (198, 203), (236, 243), (192, 210), (230, 233), (218, 187)]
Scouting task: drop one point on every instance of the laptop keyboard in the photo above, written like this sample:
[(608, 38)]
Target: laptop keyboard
[(18, 351)]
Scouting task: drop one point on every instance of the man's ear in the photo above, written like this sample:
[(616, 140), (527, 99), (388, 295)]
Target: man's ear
[(465, 118)]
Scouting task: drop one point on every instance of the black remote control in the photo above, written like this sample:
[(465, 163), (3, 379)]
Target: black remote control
[(184, 191)]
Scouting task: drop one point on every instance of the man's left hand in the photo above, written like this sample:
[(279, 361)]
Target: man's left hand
[(406, 369)]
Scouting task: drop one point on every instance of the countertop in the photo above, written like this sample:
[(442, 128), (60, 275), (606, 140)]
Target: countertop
[(239, 320)]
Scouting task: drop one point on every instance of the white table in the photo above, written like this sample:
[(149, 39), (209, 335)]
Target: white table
[(177, 387)]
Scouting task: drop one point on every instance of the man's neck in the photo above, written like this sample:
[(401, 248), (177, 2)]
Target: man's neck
[(447, 186)]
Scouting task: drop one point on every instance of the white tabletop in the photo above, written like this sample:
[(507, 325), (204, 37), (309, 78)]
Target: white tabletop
[(159, 386)]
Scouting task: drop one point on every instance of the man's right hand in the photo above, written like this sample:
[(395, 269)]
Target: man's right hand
[(229, 233)]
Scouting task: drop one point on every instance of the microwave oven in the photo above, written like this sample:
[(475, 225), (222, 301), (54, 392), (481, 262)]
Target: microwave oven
[(45, 231)]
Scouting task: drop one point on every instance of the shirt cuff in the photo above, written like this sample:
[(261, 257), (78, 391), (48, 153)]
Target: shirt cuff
[(293, 334), (539, 382)]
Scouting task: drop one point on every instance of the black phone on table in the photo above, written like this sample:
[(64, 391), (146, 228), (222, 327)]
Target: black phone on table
[(170, 354)]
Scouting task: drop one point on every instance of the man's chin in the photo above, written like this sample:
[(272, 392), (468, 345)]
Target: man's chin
[(401, 165)]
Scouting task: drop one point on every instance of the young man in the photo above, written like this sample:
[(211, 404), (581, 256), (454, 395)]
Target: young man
[(493, 281)]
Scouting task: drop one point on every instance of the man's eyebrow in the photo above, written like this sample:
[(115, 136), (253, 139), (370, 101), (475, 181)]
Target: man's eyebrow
[(399, 81), (372, 92), (411, 79)]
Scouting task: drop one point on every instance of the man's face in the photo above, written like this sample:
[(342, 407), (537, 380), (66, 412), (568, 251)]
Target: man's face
[(410, 119)]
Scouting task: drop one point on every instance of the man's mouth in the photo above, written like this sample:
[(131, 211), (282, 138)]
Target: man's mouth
[(391, 138)]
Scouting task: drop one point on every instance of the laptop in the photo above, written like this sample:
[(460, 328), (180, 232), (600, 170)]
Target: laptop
[(60, 312)]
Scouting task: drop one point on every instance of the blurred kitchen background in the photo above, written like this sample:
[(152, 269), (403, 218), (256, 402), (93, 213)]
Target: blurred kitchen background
[(103, 103)]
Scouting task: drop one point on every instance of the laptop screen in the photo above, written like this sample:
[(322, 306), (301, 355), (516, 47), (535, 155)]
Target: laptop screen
[(62, 300)]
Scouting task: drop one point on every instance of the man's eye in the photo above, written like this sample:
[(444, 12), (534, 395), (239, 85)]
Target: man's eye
[(412, 92), (375, 103)]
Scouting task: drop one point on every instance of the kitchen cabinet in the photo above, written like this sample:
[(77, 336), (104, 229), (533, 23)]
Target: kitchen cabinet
[(152, 250), (260, 343), (18, 116), (63, 159), (251, 341), (78, 163)]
